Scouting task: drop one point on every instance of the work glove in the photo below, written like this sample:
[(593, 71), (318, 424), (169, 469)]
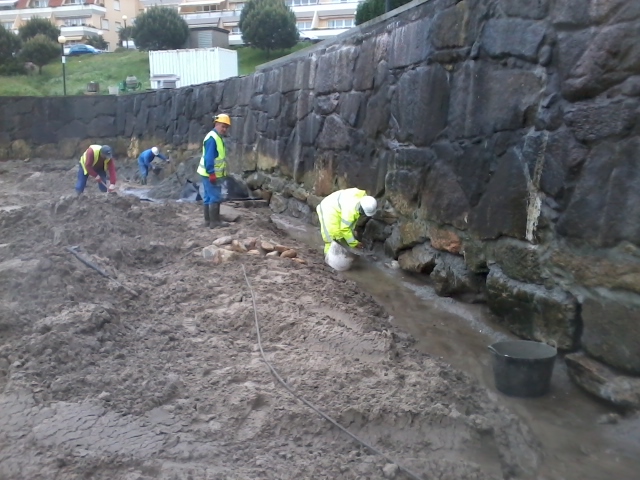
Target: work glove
[(112, 188), (360, 246), (98, 179), (213, 178)]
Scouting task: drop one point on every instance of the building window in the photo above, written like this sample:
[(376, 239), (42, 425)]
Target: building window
[(40, 3), (208, 8), (238, 6), (105, 24), (118, 26), (340, 23), (236, 31), (300, 3), (74, 22), (74, 2), (116, 5), (7, 25), (304, 25)]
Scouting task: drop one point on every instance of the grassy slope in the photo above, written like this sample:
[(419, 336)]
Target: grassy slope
[(249, 58), (110, 69), (106, 69)]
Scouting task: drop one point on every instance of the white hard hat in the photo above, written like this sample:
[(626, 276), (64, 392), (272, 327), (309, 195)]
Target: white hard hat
[(155, 150), (369, 205)]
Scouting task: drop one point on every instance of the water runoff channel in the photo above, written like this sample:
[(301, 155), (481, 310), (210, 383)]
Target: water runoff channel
[(582, 438)]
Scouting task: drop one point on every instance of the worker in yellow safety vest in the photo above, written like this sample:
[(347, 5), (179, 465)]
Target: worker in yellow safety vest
[(212, 169), (96, 161), (339, 213)]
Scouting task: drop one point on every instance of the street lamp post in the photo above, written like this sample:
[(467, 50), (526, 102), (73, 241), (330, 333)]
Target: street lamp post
[(62, 40), (125, 42)]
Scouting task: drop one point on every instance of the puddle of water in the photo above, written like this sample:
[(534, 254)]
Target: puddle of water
[(576, 446), (141, 193)]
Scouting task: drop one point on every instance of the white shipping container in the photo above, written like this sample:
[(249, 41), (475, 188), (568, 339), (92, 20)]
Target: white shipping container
[(193, 65)]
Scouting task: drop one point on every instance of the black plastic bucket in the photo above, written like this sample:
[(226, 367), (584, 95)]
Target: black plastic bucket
[(522, 368)]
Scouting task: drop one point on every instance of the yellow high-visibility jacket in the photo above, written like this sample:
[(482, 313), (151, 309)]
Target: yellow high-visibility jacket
[(219, 164), (338, 214)]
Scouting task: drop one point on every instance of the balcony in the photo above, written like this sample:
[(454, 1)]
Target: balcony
[(58, 12), (72, 32), (326, 9), (67, 11), (160, 3), (208, 18)]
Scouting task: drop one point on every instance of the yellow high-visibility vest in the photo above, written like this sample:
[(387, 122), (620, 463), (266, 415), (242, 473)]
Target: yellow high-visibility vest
[(220, 164), (96, 156)]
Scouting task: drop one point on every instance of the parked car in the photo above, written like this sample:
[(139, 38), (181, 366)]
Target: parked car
[(82, 49), (305, 37)]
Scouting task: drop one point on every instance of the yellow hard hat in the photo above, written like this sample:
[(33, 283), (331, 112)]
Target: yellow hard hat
[(222, 118)]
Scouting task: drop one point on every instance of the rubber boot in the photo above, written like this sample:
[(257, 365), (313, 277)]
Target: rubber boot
[(206, 215), (214, 216)]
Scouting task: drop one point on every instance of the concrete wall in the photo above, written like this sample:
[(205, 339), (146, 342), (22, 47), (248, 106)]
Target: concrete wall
[(501, 136)]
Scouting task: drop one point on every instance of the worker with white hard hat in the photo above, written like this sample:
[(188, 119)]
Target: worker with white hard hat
[(338, 214), (145, 160), (213, 169)]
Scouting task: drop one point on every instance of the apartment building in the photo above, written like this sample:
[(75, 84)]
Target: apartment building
[(76, 18), (316, 19)]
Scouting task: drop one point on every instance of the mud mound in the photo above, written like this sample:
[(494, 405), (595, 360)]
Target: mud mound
[(159, 375)]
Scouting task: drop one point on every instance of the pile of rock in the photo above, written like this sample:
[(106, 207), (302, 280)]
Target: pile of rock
[(228, 248)]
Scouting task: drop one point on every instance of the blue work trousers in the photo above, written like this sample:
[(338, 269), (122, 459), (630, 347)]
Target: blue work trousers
[(144, 168), (81, 183), (212, 193)]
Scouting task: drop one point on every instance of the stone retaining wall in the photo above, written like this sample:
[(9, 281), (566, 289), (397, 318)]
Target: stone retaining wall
[(502, 137)]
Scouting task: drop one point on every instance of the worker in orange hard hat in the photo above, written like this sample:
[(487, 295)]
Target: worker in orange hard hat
[(213, 168)]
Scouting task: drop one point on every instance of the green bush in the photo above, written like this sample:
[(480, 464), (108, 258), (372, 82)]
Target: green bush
[(9, 46), (39, 50), (39, 26), (370, 9), (96, 41), (268, 25), (160, 28)]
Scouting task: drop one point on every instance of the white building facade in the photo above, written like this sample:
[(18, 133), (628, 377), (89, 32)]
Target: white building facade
[(77, 19), (316, 19)]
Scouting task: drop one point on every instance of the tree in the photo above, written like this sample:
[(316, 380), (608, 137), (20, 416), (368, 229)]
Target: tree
[(125, 34), (9, 46), (370, 9), (39, 26), (160, 28), (268, 25), (97, 41), (39, 50)]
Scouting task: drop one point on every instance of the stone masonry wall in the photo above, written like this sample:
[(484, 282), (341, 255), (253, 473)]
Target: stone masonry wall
[(501, 137)]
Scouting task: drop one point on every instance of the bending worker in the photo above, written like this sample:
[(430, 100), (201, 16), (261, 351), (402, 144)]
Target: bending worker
[(95, 162), (144, 162), (339, 213), (213, 168)]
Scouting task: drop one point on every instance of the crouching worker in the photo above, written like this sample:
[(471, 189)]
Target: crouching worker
[(338, 214), (95, 162), (144, 162), (213, 169)]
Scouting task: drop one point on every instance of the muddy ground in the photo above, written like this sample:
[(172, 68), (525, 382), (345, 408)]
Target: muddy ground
[(167, 381)]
